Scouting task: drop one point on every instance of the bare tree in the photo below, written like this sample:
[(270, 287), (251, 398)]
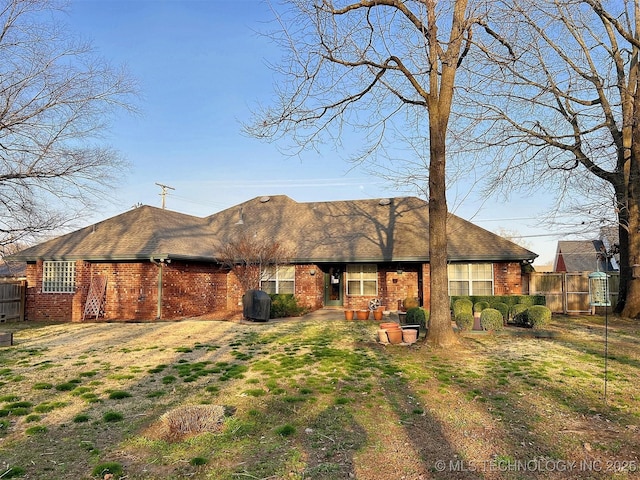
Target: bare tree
[(56, 98), (248, 257), (377, 67), (563, 102)]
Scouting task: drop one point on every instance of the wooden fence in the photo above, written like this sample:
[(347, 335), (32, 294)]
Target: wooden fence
[(569, 292), (12, 300)]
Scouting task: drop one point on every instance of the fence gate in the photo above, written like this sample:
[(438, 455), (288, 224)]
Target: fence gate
[(568, 292), (12, 300)]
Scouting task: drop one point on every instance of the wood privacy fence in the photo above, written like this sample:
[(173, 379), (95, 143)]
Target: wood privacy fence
[(12, 300), (569, 292)]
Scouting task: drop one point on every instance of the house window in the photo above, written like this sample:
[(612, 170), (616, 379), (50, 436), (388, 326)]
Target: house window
[(362, 280), (471, 279), (278, 279), (59, 277)]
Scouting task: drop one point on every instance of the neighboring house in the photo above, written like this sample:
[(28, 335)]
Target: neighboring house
[(582, 256), (160, 264)]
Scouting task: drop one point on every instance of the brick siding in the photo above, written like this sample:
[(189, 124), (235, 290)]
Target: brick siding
[(202, 289)]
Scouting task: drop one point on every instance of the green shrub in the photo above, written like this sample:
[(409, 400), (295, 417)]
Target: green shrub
[(503, 308), (409, 303), (538, 316), (491, 319), (285, 305), (417, 316), (480, 306), (462, 305), (519, 314), (464, 321)]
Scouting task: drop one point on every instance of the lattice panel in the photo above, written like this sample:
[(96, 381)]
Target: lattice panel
[(94, 306)]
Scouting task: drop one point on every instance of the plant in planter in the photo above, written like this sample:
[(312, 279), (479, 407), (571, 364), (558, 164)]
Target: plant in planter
[(410, 302), (417, 316)]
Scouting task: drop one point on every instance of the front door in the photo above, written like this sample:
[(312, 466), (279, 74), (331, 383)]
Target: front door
[(333, 287)]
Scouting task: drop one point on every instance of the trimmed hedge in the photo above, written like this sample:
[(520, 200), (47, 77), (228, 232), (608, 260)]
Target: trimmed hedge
[(462, 305), (538, 316), (519, 314), (503, 308), (480, 306), (510, 300), (464, 321), (491, 319)]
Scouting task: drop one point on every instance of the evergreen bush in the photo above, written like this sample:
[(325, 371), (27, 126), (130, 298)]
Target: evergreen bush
[(491, 319), (462, 305), (519, 314), (480, 306), (538, 316), (464, 321), (285, 305), (503, 308), (417, 316)]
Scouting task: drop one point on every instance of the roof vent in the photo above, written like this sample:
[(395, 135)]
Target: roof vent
[(264, 199), (384, 201)]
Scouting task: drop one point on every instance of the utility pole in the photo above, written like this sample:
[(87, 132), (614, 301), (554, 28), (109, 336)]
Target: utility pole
[(163, 194)]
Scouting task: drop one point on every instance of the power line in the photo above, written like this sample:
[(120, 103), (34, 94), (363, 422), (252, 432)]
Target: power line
[(163, 194)]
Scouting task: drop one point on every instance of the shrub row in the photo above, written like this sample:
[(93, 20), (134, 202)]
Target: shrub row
[(509, 300)]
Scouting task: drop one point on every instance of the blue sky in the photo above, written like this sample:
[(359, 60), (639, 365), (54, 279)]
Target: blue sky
[(202, 68)]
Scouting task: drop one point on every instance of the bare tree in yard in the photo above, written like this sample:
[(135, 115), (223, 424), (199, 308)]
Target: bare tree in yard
[(247, 257), (56, 98), (378, 67), (565, 101)]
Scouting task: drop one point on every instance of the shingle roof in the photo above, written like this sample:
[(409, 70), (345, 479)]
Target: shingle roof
[(394, 229), (581, 256)]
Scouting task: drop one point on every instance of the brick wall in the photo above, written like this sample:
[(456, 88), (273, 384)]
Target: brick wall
[(507, 278), (188, 289), (309, 286), (197, 289)]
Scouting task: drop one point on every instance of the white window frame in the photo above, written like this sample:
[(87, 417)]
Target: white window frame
[(359, 275), (283, 276), (471, 273), (58, 277)]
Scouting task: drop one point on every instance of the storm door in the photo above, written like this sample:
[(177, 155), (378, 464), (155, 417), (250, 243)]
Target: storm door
[(333, 286)]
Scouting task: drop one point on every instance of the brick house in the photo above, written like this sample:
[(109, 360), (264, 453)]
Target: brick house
[(159, 264)]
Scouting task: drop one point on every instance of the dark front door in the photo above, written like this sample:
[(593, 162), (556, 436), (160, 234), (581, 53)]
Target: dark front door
[(333, 287)]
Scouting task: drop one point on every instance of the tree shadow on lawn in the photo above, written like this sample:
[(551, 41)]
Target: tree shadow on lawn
[(133, 362)]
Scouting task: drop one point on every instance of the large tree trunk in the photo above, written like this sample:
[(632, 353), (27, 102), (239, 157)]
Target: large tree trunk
[(631, 307), (440, 331)]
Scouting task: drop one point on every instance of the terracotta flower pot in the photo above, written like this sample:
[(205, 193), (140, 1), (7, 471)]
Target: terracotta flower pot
[(348, 314), (377, 315), (395, 336), (362, 314), (382, 336), (409, 336), (389, 326)]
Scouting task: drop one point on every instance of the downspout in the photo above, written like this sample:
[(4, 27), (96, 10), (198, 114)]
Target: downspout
[(160, 264)]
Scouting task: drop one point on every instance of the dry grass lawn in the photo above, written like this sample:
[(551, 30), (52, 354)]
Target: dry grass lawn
[(302, 399)]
